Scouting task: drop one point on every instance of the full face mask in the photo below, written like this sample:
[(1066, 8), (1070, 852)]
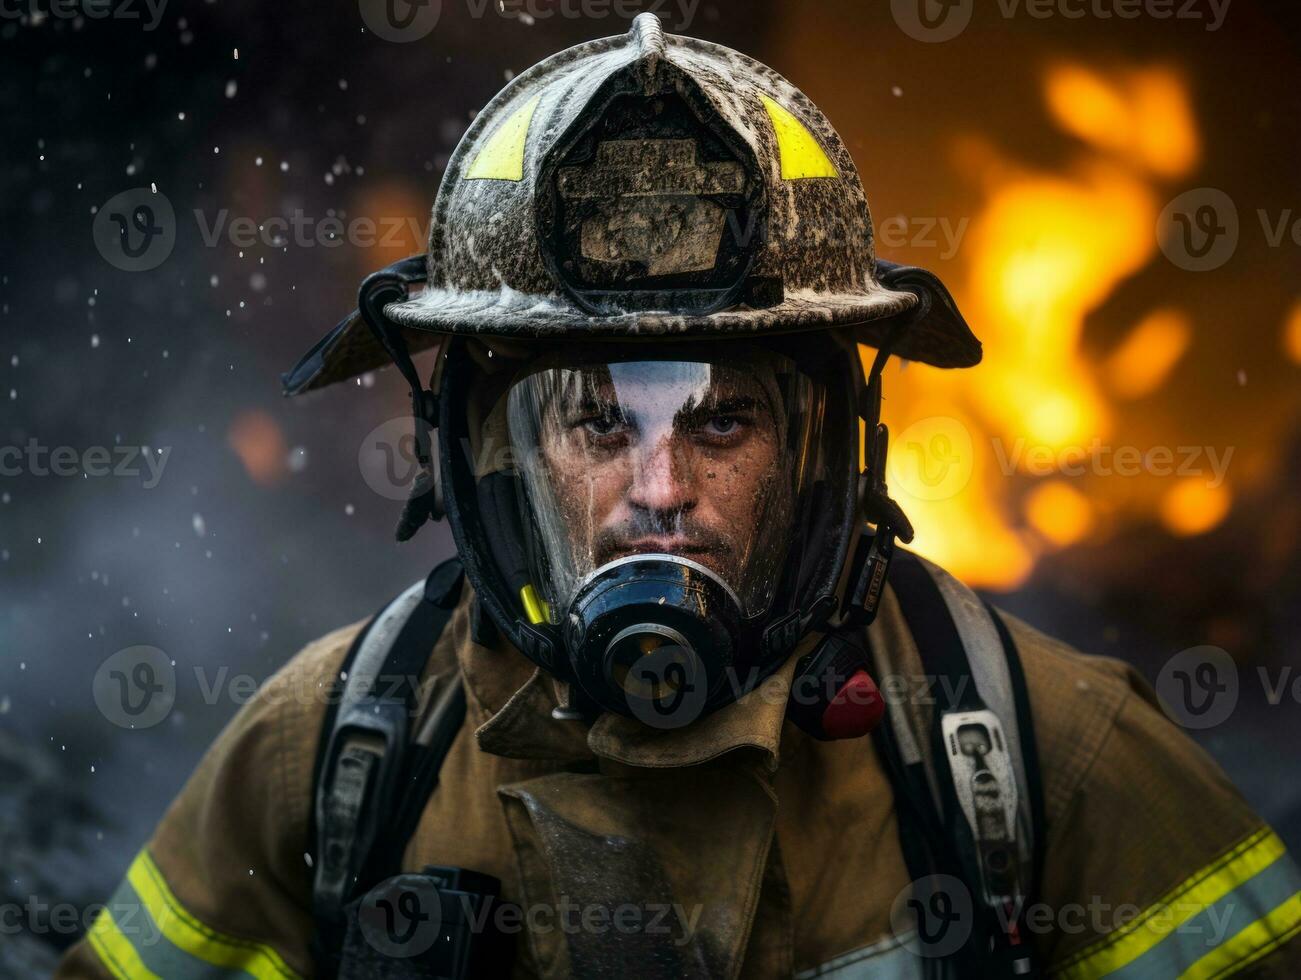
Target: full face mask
[(666, 518), (663, 501)]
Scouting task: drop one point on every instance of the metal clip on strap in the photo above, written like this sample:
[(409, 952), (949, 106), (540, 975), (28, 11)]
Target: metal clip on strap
[(341, 813), (982, 809), (360, 772)]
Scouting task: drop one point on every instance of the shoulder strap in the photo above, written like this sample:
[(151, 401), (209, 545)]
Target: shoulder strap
[(970, 807), (369, 758)]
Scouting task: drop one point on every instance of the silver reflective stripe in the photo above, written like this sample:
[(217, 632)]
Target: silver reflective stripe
[(135, 921), (890, 959), (375, 647), (900, 723), (1218, 923), (990, 674)]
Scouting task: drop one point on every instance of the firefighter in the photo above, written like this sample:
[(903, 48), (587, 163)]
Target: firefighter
[(679, 707)]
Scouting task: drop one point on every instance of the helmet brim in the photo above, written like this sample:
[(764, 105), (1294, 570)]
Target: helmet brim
[(932, 330), (909, 303), (507, 313)]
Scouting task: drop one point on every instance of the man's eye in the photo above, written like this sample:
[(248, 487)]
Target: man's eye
[(723, 425), (603, 425)]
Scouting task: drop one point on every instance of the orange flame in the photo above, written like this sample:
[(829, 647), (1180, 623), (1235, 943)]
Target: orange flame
[(1143, 116), (1045, 252), (1193, 507), (1292, 334), (1147, 356)]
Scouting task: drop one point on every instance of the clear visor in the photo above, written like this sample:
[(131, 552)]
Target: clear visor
[(706, 460)]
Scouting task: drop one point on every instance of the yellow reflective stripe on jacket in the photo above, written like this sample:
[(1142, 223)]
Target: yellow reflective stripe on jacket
[(1254, 888), (1259, 939), (190, 935), (115, 950), (164, 940)]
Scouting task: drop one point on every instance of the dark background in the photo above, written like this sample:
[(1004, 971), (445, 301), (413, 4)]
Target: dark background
[(264, 532)]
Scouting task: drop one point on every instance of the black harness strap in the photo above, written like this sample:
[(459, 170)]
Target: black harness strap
[(425, 757), (933, 629), (362, 773), (952, 835)]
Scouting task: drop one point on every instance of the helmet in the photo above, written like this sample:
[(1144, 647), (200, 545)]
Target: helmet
[(637, 238)]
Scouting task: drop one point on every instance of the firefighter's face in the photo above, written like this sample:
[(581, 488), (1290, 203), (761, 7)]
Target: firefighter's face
[(663, 457)]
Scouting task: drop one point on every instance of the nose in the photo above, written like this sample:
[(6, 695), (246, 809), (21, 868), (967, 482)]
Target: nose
[(662, 481)]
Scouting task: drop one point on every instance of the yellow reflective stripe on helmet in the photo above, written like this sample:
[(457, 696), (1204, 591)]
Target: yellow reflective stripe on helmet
[(1257, 864), (192, 937), (534, 608), (115, 950), (502, 155), (802, 156)]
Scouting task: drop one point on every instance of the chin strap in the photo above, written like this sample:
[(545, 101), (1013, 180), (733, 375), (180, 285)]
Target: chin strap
[(871, 562), (834, 696), (389, 285)]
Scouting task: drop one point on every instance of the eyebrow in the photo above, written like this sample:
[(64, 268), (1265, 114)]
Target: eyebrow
[(731, 403)]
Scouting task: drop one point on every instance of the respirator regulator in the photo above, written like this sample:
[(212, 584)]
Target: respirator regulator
[(657, 636)]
